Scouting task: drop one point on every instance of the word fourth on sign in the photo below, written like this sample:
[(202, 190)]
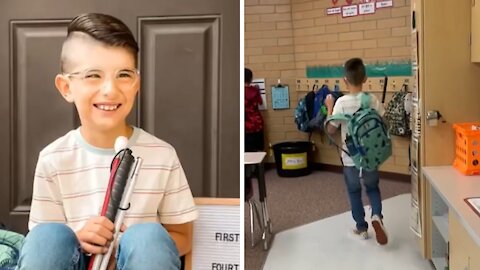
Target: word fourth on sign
[(227, 237), (225, 266)]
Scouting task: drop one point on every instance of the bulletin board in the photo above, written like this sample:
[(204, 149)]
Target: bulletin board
[(216, 235)]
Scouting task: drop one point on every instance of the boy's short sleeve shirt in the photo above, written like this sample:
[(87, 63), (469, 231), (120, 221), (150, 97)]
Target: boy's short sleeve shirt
[(71, 179), (349, 104)]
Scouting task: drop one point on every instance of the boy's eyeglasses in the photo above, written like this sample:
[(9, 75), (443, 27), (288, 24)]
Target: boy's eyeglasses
[(95, 78)]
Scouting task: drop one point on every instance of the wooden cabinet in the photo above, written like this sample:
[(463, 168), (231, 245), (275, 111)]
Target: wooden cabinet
[(475, 31), (444, 61), (464, 252)]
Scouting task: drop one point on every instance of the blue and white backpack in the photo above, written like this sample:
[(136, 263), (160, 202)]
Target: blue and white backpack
[(368, 142)]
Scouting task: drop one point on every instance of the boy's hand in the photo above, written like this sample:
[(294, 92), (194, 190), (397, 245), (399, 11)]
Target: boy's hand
[(96, 235), (329, 102)]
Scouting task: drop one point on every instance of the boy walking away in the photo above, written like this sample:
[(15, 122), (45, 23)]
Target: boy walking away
[(99, 76), (355, 76)]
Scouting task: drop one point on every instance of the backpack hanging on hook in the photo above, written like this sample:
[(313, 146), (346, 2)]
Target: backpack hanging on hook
[(397, 115)]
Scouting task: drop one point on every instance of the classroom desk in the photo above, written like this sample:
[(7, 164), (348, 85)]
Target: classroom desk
[(256, 159)]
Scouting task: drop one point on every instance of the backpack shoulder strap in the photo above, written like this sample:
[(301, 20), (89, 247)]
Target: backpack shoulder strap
[(365, 100)]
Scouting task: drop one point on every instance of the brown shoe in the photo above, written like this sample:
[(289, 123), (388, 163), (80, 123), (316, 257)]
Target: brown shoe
[(380, 232)]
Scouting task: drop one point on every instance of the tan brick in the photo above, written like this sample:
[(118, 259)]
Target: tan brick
[(306, 40), (288, 120), (300, 65), (337, 28), (326, 20), (274, 120), (352, 19), (288, 74), (327, 55), (401, 12), (284, 25), (259, 26), (303, 23), (268, 74), (364, 44), (322, 4), (274, 2), (259, 10), (304, 56), (251, 18), (275, 18), (273, 137), (263, 59), (277, 34), (278, 50), (338, 46), (327, 38), (379, 52), (309, 14), (390, 23), (261, 42), (383, 13), (367, 25), (391, 42), (253, 51), (251, 2), (253, 35), (285, 41), (280, 66), (402, 51), (350, 36), (287, 58), (379, 33), (302, 6), (283, 9), (310, 31), (311, 48), (350, 54), (295, 135), (401, 3), (257, 68), (401, 31)]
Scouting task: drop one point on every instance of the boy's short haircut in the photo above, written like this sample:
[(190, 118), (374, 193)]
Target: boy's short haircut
[(105, 29), (355, 71), (248, 75)]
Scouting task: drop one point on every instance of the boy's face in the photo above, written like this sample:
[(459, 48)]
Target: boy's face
[(102, 82)]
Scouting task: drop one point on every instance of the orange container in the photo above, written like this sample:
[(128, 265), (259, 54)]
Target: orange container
[(467, 148)]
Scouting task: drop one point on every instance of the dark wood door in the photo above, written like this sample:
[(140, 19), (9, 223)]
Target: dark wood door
[(190, 69)]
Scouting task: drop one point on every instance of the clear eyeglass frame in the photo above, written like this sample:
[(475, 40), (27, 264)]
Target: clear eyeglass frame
[(124, 78)]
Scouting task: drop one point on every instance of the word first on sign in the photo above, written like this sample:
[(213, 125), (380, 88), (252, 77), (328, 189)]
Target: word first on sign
[(216, 235)]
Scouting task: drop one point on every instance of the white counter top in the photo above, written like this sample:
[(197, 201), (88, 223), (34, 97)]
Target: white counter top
[(453, 187)]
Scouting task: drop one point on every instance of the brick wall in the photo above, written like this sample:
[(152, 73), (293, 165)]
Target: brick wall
[(283, 37)]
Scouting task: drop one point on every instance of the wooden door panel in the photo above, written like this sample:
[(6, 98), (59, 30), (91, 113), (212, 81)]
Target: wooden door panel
[(192, 43)]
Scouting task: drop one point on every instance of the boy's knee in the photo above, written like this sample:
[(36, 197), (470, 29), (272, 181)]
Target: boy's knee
[(50, 246), (146, 232), (51, 233), (148, 242)]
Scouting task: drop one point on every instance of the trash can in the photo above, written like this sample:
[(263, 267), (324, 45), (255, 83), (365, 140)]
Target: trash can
[(291, 158)]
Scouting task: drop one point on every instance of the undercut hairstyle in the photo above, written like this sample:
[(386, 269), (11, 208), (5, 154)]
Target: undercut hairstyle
[(355, 71), (248, 75), (103, 28)]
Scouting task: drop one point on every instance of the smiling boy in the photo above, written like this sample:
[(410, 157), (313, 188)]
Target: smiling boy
[(100, 77)]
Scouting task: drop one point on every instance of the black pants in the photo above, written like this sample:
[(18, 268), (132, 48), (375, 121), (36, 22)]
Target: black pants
[(254, 142)]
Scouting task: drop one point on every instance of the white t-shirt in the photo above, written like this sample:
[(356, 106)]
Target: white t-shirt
[(71, 179), (349, 104)]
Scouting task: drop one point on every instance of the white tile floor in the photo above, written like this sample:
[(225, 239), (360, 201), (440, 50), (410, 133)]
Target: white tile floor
[(329, 244)]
